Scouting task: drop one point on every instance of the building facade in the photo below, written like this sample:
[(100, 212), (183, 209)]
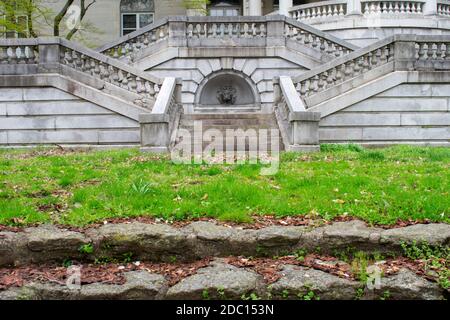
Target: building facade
[(107, 20), (361, 71)]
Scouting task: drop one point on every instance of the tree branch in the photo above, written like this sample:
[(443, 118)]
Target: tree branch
[(60, 16), (84, 10)]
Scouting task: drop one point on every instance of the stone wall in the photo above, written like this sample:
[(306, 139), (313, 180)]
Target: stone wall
[(408, 113), (195, 72), (45, 115)]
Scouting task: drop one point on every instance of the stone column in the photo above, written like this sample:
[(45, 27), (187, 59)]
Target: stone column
[(305, 131), (284, 7), (430, 7), (255, 8), (354, 7)]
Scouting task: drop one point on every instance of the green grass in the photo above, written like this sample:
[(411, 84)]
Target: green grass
[(379, 186)]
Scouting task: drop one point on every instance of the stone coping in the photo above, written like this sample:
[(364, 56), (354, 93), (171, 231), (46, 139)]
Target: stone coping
[(197, 240)]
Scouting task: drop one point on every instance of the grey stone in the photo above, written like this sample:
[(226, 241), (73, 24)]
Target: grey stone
[(406, 285), (155, 242), (342, 235), (280, 237), (48, 242), (139, 285), (296, 282), (433, 234), (219, 281), (12, 245)]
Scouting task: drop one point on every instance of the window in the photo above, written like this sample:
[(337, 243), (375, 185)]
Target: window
[(135, 14), (22, 23), (224, 9), (134, 21)]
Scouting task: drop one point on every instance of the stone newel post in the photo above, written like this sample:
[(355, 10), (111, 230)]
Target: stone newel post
[(49, 55), (430, 7), (354, 7)]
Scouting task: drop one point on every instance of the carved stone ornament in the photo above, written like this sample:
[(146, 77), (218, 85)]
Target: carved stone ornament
[(226, 95)]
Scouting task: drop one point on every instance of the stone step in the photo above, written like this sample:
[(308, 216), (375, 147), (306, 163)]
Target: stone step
[(201, 116), (222, 279), (160, 242)]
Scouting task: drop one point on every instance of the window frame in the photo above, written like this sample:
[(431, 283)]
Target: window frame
[(138, 15)]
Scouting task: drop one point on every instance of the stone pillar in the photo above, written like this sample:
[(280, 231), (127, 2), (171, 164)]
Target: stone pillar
[(305, 131), (284, 7), (405, 53), (49, 49), (354, 7), (155, 135), (430, 7), (255, 8)]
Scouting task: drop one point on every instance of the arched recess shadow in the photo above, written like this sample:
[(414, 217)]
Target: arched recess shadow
[(227, 90)]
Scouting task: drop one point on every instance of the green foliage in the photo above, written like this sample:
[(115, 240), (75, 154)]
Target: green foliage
[(221, 293), (251, 296), (205, 295), (127, 257), (436, 259), (87, 248)]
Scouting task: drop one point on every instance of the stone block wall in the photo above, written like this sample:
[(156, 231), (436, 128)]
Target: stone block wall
[(408, 113), (46, 115)]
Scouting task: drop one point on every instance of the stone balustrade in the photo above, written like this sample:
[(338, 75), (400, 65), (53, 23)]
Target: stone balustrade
[(370, 7), (55, 55), (266, 31), (132, 43), (433, 53), (342, 71), (327, 10), (224, 29), (315, 41), (324, 9), (26, 52), (400, 52), (443, 8)]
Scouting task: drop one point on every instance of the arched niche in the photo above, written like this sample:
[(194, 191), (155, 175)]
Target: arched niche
[(227, 89)]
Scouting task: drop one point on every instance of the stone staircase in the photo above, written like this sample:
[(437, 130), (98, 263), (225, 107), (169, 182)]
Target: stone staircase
[(226, 122)]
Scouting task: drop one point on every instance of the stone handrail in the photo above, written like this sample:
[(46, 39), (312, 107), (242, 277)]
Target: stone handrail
[(323, 9), (215, 31), (25, 51), (132, 43), (298, 127), (315, 39), (158, 126), (400, 52), (443, 8), (345, 68), (56, 55), (369, 7)]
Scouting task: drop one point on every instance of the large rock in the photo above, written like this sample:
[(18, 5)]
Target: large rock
[(276, 239), (433, 234), (12, 247), (297, 282), (342, 235), (139, 285), (47, 242), (220, 281), (406, 285), (212, 240), (154, 242)]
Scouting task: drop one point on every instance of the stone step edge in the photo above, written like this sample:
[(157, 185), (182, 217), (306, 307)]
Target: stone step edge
[(197, 240), (222, 281)]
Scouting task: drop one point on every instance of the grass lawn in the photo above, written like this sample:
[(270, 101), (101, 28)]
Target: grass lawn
[(77, 188)]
